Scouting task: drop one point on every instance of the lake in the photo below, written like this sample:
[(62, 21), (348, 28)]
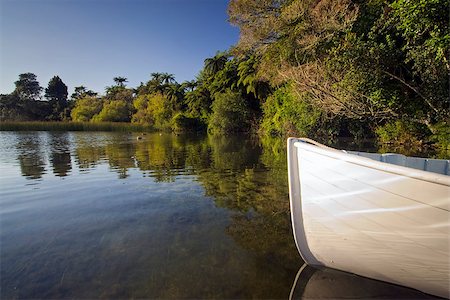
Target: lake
[(108, 215)]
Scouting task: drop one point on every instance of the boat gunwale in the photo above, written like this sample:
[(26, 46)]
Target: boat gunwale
[(295, 204), (373, 164)]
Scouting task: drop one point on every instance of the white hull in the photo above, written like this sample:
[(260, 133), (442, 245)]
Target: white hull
[(373, 219)]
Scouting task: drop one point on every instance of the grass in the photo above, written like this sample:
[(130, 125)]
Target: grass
[(72, 126)]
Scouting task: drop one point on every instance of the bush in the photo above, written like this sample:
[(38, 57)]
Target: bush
[(284, 114), (86, 108), (230, 113), (181, 123), (114, 111), (441, 134), (403, 132)]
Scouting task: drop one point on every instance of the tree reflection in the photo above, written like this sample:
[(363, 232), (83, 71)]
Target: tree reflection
[(88, 151), (251, 180), (60, 153), (121, 157), (31, 156)]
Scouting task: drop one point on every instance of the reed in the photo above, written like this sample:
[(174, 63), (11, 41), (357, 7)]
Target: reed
[(73, 126)]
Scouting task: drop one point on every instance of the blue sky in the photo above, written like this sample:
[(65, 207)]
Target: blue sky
[(88, 42)]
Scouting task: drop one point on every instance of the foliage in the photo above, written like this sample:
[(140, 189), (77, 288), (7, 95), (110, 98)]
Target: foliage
[(198, 103), (441, 134), (113, 111), (86, 108), (81, 92), (230, 113), (216, 63), (402, 132), (153, 109), (182, 123), (322, 68), (370, 61), (120, 81), (27, 87), (56, 93), (284, 114)]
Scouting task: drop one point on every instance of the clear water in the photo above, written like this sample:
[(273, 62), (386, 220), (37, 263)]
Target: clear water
[(107, 215)]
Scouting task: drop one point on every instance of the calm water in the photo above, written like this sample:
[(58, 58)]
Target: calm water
[(104, 215)]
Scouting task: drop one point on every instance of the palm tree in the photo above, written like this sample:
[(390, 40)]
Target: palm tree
[(216, 63), (157, 77), (167, 78), (189, 85), (120, 81)]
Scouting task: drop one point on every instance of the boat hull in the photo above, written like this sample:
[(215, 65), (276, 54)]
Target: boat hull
[(363, 217)]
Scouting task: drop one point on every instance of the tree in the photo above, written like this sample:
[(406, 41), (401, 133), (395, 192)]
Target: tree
[(167, 78), (56, 93), (189, 86), (216, 63), (230, 113), (27, 87), (86, 108), (56, 90), (81, 92), (158, 77), (120, 81), (113, 111)]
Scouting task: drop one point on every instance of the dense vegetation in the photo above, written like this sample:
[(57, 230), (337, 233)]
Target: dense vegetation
[(321, 68)]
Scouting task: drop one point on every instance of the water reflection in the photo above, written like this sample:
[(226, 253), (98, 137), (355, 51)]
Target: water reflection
[(164, 216), (60, 158), (324, 283), (31, 155), (161, 217)]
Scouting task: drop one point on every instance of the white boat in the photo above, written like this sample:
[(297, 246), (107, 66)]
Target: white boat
[(382, 216)]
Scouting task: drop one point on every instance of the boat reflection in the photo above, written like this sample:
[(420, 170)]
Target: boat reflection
[(325, 283)]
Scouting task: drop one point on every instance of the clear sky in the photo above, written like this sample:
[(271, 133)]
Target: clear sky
[(88, 42)]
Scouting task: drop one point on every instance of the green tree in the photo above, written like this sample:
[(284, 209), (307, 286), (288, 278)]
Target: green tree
[(113, 111), (120, 81), (284, 114), (27, 87), (230, 113), (189, 86), (167, 78), (81, 92), (86, 108), (153, 109), (56, 93), (216, 63)]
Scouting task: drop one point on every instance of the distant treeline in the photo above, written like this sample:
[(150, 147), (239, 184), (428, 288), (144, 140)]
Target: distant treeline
[(314, 68)]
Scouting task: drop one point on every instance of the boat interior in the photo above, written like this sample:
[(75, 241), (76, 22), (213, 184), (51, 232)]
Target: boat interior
[(439, 166)]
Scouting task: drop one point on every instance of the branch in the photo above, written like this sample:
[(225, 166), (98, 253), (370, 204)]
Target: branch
[(413, 89)]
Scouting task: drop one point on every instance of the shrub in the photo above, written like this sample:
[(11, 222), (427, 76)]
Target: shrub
[(114, 111), (230, 113), (285, 114), (402, 132), (441, 134), (181, 122), (86, 108)]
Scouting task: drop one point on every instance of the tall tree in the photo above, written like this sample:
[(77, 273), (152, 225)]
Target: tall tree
[(216, 63), (120, 81), (158, 77), (81, 92), (56, 93), (27, 87), (189, 86), (167, 78)]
